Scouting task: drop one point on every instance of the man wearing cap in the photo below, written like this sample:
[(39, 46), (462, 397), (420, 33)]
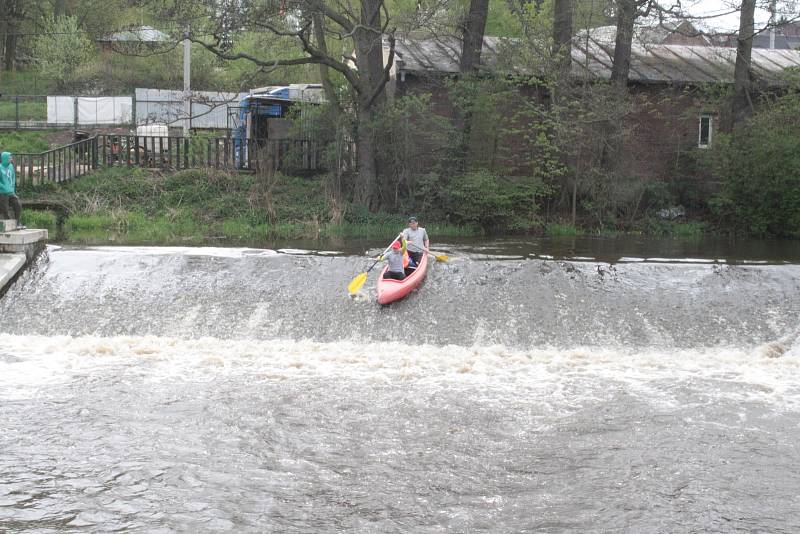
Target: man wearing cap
[(417, 239)]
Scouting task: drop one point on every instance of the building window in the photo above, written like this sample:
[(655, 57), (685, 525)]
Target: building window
[(706, 130)]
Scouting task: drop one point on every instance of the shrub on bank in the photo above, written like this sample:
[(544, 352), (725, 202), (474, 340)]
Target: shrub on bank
[(561, 230), (40, 219), (760, 164)]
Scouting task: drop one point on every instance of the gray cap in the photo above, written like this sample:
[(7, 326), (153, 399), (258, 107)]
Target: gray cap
[(412, 219)]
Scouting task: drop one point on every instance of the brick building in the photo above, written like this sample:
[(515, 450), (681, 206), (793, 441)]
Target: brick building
[(674, 84)]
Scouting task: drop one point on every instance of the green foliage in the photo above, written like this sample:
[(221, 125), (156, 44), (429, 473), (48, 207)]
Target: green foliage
[(561, 230), (26, 81), (121, 205), (40, 219), (411, 138), (691, 230), (495, 204), (64, 52), (684, 230), (760, 165), (24, 110), (23, 142)]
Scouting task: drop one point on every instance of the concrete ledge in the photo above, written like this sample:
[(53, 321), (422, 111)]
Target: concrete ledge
[(22, 237), (10, 265), (28, 242), (8, 225)]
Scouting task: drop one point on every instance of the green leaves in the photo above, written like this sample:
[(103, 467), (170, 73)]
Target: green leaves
[(64, 51), (495, 203), (760, 165)]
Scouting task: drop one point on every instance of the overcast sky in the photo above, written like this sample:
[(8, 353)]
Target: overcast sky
[(727, 21)]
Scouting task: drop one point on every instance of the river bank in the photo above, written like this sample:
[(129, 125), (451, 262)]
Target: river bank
[(136, 207), (130, 206)]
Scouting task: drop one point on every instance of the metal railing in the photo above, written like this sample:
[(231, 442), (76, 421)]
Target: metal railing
[(79, 158), (178, 153), (57, 165)]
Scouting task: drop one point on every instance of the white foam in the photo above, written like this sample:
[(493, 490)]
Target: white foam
[(680, 260), (29, 364), (219, 252)]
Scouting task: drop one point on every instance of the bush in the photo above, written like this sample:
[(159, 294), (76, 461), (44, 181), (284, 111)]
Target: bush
[(64, 52), (760, 165), (494, 203), (561, 230), (40, 219)]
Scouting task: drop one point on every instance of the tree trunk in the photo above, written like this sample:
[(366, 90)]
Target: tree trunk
[(368, 40), (324, 71), (626, 17), (366, 184), (562, 34), (10, 56), (13, 14), (472, 37), (471, 48), (742, 77)]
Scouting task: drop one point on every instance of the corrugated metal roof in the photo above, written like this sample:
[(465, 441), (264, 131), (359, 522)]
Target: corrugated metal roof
[(651, 63), (644, 34)]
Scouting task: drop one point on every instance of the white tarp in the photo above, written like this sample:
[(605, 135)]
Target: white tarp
[(105, 110), (110, 110), (61, 110), (209, 108)]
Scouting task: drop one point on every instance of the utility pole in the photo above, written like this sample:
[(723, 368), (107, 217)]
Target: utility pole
[(772, 20), (187, 81)]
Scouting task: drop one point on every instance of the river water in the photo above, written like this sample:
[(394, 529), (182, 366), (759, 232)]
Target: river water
[(529, 386)]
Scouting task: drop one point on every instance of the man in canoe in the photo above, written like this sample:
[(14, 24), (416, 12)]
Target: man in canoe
[(417, 238)]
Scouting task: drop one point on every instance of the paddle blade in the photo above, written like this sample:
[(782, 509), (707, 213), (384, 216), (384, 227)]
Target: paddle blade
[(357, 283), (441, 257)]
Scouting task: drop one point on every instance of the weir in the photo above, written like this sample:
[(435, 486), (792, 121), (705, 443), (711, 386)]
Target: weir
[(218, 389), (18, 248)]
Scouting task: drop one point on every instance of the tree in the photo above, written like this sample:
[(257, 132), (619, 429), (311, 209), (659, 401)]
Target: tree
[(742, 77), (562, 33), (759, 165), (472, 35), (13, 13), (63, 50), (626, 18), (359, 31)]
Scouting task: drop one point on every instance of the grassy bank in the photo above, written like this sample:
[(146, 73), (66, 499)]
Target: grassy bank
[(648, 226), (31, 142), (25, 110), (133, 206)]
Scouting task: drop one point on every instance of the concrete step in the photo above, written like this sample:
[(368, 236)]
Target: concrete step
[(28, 242), (10, 264), (7, 225)]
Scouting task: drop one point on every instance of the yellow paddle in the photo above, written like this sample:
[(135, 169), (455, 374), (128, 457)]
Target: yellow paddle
[(358, 282)]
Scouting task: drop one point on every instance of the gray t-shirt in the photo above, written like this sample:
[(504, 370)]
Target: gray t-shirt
[(416, 238), (395, 260)]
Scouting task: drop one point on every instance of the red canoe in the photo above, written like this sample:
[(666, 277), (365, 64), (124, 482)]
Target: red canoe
[(392, 290)]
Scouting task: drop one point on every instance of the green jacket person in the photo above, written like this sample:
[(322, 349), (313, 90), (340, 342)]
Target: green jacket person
[(8, 188)]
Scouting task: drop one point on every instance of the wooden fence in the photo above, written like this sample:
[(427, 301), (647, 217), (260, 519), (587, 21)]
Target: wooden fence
[(57, 165), (174, 153), (179, 153)]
